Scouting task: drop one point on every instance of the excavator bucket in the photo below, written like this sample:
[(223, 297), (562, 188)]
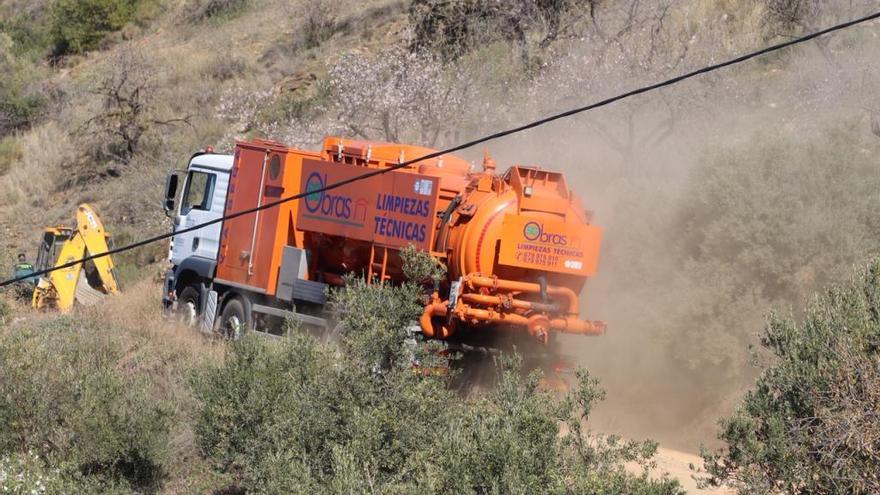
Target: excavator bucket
[(61, 288)]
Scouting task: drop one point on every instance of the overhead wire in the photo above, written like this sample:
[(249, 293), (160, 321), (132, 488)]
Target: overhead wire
[(459, 147)]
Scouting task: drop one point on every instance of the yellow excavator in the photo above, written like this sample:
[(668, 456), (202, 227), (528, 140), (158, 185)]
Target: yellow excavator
[(85, 283)]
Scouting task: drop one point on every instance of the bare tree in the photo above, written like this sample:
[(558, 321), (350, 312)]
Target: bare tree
[(451, 28), (128, 107)]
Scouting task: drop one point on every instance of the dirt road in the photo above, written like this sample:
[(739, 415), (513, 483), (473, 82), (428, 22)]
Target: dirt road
[(678, 465)]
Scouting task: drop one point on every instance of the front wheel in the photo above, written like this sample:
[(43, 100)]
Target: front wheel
[(235, 319), (188, 306)]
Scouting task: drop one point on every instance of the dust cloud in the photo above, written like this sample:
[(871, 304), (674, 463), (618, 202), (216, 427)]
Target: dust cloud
[(632, 164)]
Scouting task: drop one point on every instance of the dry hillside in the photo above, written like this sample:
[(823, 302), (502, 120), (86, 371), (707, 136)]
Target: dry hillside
[(722, 197)]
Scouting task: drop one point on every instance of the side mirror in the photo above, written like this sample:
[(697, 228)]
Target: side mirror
[(170, 193)]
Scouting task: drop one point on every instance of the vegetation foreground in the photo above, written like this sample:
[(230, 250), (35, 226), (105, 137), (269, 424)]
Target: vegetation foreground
[(93, 405), (103, 402)]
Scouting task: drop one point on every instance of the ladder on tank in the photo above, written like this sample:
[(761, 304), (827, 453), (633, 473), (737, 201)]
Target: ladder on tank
[(378, 267)]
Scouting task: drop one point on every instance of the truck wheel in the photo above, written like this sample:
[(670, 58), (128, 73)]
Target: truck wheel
[(188, 305), (235, 319)]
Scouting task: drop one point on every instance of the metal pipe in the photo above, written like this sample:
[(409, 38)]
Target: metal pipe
[(496, 283), (257, 215), (508, 301), (567, 324), (435, 308)]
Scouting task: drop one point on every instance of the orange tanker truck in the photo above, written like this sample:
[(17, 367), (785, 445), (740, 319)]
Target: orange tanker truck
[(517, 246)]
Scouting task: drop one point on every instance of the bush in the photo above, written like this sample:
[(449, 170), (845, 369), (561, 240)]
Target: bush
[(20, 104), (768, 223), (26, 26), (77, 26), (452, 28), (27, 474), (18, 110), (319, 22), (297, 416), (10, 152), (80, 401), (200, 10), (810, 424), (246, 401), (293, 418)]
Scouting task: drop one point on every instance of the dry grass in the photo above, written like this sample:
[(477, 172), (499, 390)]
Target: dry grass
[(147, 350), (136, 313), (44, 151)]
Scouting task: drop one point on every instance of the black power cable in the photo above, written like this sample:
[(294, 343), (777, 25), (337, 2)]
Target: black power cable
[(469, 144)]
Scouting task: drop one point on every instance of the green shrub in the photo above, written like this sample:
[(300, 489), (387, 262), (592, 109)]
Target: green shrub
[(27, 28), (810, 423), (297, 416), (77, 26), (374, 320), (292, 417), (24, 474), (253, 396), (20, 103), (768, 223), (419, 267), (18, 109), (28, 474), (79, 399)]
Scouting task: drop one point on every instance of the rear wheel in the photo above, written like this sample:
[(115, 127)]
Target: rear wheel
[(235, 319), (188, 305)]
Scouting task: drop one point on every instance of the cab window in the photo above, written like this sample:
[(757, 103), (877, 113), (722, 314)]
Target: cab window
[(199, 192)]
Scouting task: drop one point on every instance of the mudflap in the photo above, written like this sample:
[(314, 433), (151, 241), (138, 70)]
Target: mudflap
[(209, 314)]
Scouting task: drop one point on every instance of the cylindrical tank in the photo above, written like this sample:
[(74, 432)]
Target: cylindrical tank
[(519, 248), (476, 229)]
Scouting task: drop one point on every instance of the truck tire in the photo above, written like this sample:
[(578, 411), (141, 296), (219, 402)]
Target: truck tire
[(209, 315), (235, 321), (188, 305)]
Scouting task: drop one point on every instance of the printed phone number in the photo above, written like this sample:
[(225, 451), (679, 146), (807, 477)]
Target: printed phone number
[(537, 258)]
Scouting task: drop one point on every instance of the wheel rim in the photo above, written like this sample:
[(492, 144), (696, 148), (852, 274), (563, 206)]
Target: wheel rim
[(188, 313), (234, 327)]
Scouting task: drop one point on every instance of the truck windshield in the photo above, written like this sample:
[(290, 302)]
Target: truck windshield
[(199, 192)]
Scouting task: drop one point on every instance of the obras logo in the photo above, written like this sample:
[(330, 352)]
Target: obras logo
[(534, 231), (328, 204)]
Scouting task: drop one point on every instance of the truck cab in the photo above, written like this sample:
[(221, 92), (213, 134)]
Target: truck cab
[(248, 270), (202, 188)]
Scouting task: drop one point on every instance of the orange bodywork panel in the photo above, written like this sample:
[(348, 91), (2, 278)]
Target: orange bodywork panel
[(549, 245), (251, 245), (393, 209)]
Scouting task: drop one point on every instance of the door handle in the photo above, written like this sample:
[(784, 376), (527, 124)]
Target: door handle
[(195, 243)]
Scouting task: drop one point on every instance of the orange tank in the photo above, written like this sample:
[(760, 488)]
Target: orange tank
[(518, 247)]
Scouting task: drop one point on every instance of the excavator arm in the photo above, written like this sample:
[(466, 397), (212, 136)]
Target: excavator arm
[(60, 288)]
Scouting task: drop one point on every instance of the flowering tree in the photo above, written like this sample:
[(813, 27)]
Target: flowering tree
[(397, 96)]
